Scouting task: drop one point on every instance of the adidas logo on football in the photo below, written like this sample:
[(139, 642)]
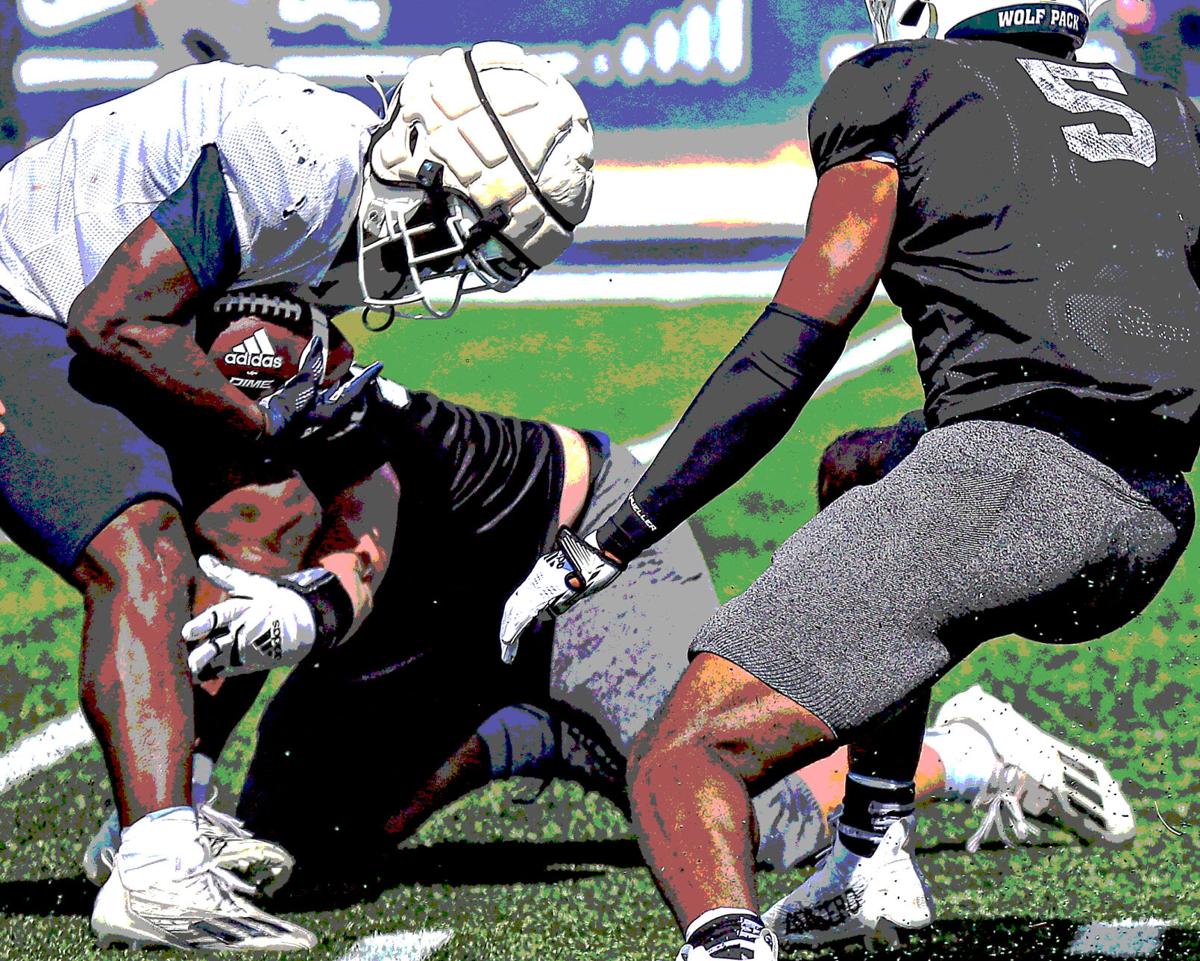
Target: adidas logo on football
[(255, 351)]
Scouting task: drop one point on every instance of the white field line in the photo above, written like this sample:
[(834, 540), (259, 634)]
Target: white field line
[(1127, 938), (677, 285), (683, 285), (43, 748), (882, 344), (398, 946)]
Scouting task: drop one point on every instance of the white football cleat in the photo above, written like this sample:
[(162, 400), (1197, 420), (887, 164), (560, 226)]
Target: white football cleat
[(880, 895), (262, 864), (197, 908), (734, 943), (101, 849), (1036, 775)]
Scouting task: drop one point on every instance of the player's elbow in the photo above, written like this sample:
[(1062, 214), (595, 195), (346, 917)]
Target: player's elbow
[(81, 338), (90, 332)]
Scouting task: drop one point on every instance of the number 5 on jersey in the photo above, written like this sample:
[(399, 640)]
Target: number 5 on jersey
[(1084, 139)]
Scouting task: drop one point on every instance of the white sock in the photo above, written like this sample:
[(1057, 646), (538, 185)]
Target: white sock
[(967, 756), (161, 845), (712, 914), (202, 772)]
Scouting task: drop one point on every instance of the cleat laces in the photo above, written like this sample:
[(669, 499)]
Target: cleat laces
[(1002, 798), (221, 885), (226, 823)]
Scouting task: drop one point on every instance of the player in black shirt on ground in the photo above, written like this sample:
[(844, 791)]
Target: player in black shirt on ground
[(1036, 219)]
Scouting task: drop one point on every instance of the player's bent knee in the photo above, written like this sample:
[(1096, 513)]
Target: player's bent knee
[(520, 740), (147, 538)]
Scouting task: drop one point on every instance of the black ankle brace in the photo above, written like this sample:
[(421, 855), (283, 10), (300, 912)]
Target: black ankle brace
[(872, 805)]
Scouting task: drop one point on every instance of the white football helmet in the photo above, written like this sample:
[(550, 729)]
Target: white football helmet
[(969, 19), (480, 172)]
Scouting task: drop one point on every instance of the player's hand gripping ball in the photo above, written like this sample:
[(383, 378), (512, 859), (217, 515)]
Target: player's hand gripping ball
[(272, 349), (259, 355)]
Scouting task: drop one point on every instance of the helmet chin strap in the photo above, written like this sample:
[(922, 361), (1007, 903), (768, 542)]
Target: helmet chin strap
[(366, 312)]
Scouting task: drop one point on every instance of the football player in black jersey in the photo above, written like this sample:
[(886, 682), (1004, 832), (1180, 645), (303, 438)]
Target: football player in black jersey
[(422, 674), (1036, 220)]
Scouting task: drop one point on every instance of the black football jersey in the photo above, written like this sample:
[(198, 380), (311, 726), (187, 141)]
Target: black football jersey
[(1048, 217), (479, 497), (473, 473)]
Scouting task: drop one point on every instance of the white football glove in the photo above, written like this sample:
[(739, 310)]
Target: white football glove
[(546, 590), (261, 626)]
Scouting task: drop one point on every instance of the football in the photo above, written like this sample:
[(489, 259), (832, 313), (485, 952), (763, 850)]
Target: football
[(258, 354)]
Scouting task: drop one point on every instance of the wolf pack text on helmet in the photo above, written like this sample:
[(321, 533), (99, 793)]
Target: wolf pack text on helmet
[(973, 19)]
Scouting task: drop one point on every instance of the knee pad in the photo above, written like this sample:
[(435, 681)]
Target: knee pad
[(522, 741)]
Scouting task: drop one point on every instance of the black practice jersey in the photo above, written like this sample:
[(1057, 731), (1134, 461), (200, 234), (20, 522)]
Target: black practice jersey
[(1048, 218), (472, 472), (479, 496), (486, 477)]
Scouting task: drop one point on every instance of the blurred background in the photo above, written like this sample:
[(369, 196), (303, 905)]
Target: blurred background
[(695, 102)]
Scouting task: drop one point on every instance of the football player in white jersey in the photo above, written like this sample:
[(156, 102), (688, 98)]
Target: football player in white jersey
[(112, 234)]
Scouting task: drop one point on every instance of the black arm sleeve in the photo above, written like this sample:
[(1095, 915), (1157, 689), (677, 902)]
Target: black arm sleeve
[(742, 411)]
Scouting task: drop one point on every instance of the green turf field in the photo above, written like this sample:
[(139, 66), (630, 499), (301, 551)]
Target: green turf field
[(561, 878)]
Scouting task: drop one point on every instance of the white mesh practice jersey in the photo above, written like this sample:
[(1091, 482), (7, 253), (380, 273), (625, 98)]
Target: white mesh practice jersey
[(290, 154)]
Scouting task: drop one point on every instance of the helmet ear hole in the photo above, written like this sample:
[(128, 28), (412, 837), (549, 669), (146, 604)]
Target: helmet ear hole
[(414, 136)]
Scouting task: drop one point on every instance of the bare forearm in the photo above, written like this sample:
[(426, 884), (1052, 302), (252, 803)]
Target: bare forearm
[(166, 359), (134, 323), (357, 576)]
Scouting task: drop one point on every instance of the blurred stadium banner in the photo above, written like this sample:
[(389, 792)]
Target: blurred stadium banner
[(700, 105)]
